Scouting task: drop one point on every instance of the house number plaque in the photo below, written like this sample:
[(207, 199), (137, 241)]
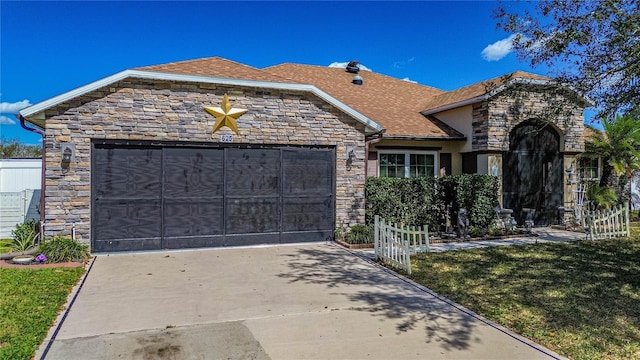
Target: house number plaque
[(226, 138)]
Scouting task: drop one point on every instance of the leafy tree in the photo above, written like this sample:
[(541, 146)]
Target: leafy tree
[(594, 46), (15, 149), (619, 147)]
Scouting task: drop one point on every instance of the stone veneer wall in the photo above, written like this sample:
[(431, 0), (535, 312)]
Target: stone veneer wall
[(136, 109), (494, 119)]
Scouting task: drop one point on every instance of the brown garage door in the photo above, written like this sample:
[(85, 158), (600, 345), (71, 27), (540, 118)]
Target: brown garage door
[(170, 197)]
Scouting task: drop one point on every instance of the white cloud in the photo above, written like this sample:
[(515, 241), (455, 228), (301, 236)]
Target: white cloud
[(401, 63), (343, 65), (6, 121), (498, 49), (6, 107), (409, 80)]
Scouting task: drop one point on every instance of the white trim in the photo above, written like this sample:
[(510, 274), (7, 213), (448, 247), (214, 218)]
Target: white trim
[(36, 109), (407, 159)]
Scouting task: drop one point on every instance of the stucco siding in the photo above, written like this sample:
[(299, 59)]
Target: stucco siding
[(460, 119)]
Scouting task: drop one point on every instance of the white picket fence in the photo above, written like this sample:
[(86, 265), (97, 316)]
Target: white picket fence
[(608, 224), (394, 244)]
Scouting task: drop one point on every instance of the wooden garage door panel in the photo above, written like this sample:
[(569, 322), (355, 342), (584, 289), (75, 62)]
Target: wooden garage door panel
[(193, 173), (193, 196), (193, 217), (127, 173), (303, 214), (307, 172), (252, 215), (122, 219), (127, 199), (308, 194), (252, 172)]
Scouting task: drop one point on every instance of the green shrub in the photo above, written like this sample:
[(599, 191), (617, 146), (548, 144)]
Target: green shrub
[(359, 234), (423, 201), (64, 249), (411, 201), (25, 235)]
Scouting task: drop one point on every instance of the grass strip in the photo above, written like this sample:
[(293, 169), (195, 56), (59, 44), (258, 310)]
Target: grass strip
[(29, 303)]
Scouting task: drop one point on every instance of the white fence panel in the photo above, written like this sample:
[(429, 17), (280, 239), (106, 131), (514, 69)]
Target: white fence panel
[(20, 174), (609, 224), (394, 244)]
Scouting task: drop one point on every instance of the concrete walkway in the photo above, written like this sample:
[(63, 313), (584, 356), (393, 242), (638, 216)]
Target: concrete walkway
[(314, 301), (545, 234)]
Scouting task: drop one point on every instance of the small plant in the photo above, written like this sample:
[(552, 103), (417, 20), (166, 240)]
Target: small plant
[(601, 197), (496, 230), (476, 231), (359, 234), (64, 249), (25, 236)]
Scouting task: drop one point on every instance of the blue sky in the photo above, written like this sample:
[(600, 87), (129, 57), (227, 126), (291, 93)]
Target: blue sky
[(48, 48)]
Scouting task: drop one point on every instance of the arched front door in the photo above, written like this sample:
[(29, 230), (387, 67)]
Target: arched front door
[(533, 173)]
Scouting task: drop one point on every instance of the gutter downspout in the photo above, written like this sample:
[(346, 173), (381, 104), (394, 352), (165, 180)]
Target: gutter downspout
[(42, 178), (373, 138)]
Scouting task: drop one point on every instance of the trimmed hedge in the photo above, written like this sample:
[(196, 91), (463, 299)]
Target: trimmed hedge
[(419, 201)]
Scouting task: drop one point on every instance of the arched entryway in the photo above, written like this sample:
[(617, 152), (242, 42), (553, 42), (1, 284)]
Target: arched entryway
[(533, 173)]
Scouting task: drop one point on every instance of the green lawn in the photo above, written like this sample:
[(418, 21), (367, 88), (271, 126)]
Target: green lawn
[(30, 300), (581, 299)]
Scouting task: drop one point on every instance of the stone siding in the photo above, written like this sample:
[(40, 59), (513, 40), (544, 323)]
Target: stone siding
[(494, 119), (170, 111)]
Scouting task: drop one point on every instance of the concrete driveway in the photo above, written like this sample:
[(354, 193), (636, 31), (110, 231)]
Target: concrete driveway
[(315, 301)]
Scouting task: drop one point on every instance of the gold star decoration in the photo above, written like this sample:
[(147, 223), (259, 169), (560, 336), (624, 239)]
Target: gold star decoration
[(225, 115)]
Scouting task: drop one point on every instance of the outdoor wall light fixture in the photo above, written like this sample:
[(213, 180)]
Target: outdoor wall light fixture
[(351, 155), (68, 154)]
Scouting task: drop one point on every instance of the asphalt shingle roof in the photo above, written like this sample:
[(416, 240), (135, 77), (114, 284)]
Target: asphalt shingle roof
[(395, 104), (214, 67), (391, 102)]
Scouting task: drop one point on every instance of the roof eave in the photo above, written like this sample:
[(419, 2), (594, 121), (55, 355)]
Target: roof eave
[(36, 110), (454, 105), (418, 137)]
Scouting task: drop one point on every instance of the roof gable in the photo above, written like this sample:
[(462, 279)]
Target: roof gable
[(35, 113), (485, 89), (213, 67), (475, 92)]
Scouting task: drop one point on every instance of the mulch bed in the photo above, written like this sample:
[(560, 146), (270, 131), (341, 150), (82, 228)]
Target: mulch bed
[(9, 264), (441, 240), (355, 246)]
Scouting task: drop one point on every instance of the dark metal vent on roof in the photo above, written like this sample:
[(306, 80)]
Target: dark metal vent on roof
[(357, 79), (352, 67)]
